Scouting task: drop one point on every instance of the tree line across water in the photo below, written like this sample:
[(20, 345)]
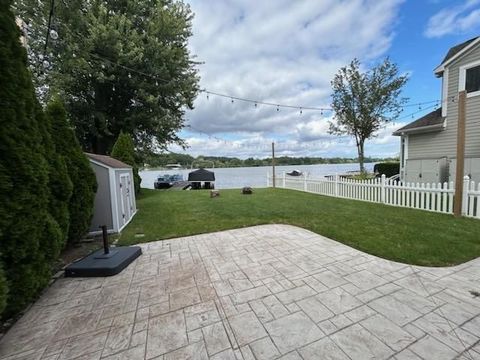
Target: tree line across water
[(189, 161)]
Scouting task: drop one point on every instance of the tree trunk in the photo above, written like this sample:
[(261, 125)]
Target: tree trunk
[(360, 148)]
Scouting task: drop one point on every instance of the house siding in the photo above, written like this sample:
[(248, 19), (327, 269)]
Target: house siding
[(443, 143)]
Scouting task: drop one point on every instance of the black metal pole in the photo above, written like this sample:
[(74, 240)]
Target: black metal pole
[(106, 249)]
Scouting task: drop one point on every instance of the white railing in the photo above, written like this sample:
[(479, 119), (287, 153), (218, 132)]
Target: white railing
[(431, 197)]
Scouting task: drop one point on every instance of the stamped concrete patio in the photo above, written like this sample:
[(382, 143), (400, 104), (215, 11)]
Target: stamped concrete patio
[(263, 292)]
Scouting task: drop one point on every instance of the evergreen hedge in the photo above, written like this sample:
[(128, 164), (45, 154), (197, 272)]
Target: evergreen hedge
[(24, 193), (82, 177), (60, 186), (387, 168), (3, 289), (47, 187), (124, 150)]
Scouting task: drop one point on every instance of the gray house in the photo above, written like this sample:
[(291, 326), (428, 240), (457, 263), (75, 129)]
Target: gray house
[(428, 145), (115, 202)]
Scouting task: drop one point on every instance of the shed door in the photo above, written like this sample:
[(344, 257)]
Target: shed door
[(413, 171), (429, 172), (474, 170), (125, 198)]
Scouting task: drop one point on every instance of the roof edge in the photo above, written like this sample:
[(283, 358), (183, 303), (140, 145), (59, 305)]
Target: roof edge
[(440, 68), (419, 130)]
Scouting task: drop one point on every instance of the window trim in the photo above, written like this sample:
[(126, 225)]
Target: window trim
[(462, 81)]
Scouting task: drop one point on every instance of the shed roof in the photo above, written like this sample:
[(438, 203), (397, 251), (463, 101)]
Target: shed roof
[(108, 161), (431, 121), (201, 175)]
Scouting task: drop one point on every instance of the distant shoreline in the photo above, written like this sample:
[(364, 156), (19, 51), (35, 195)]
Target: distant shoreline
[(161, 168)]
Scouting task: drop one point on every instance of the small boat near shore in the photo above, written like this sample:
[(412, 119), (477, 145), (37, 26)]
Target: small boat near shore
[(166, 181), (295, 173)]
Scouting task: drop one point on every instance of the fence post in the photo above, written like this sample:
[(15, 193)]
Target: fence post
[(382, 191), (305, 182), (466, 188), (283, 180), (336, 185)]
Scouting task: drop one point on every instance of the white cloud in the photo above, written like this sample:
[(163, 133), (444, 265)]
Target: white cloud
[(281, 52), (455, 19)]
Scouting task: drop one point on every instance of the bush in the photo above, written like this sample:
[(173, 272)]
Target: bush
[(124, 150), (3, 290), (82, 177), (387, 168), (60, 187), (24, 193)]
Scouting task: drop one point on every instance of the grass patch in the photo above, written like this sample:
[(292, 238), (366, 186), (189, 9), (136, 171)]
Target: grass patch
[(404, 235)]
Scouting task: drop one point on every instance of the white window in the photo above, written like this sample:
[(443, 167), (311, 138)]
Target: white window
[(470, 79)]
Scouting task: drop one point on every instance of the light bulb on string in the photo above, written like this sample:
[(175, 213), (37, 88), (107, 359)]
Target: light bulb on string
[(129, 75), (256, 105), (156, 83), (301, 111), (231, 100), (278, 109), (53, 34)]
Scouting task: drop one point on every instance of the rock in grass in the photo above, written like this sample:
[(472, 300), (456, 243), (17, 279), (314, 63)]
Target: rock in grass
[(247, 190)]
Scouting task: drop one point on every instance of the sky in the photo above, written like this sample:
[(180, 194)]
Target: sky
[(287, 52)]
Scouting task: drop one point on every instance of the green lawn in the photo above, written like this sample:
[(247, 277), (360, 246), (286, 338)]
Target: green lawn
[(405, 235)]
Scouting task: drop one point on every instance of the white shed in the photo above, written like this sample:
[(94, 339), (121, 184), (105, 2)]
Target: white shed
[(115, 202)]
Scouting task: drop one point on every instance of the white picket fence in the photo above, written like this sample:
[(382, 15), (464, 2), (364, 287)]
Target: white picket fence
[(431, 197)]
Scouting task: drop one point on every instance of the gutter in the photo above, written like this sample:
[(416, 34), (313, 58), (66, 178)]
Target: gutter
[(422, 129)]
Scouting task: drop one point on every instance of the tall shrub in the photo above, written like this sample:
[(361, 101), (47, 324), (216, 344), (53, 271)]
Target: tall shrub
[(124, 150), (60, 186), (82, 177), (3, 289), (24, 194)]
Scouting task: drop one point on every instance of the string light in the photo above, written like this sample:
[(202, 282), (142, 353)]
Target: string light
[(255, 102)]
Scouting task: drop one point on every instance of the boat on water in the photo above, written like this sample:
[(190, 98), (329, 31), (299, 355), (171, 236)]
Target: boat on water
[(295, 173), (174, 166), (166, 181)]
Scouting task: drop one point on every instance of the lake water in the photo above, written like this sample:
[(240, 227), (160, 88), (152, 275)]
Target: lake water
[(256, 177)]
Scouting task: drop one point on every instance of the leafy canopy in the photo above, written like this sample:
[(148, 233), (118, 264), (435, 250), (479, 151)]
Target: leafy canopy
[(124, 150), (365, 101), (87, 62)]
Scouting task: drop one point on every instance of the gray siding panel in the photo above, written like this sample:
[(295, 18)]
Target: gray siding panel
[(102, 214), (443, 144)]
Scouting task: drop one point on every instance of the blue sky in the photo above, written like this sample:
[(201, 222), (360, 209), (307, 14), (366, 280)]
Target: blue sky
[(287, 52)]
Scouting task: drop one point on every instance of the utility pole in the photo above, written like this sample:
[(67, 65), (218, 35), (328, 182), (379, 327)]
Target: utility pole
[(457, 205), (273, 164)]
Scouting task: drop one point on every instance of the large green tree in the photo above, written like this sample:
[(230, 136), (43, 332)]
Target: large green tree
[(365, 101), (101, 56)]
